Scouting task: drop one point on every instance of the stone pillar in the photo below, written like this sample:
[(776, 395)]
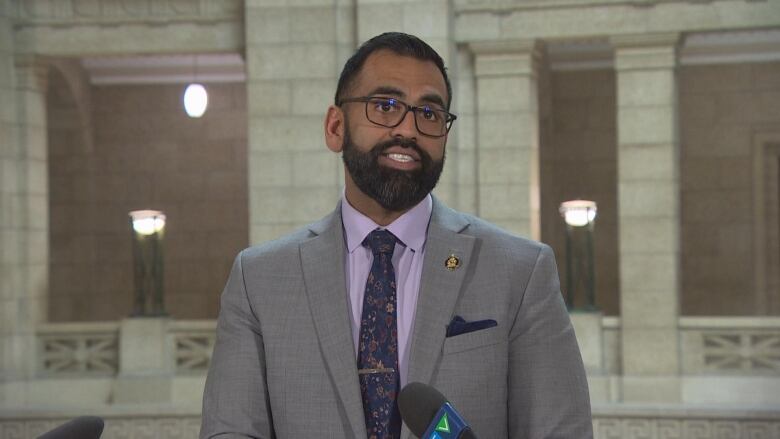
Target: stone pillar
[(294, 54), (10, 279), (146, 362), (508, 135), (649, 215), (25, 218)]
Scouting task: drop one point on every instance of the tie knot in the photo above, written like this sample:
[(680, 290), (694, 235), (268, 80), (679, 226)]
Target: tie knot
[(380, 242)]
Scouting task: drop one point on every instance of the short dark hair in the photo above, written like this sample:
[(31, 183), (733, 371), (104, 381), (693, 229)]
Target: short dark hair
[(398, 43)]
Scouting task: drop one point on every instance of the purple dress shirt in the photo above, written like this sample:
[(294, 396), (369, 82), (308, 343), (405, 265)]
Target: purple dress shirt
[(411, 229)]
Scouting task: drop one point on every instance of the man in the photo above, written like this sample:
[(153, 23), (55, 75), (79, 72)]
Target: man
[(319, 330)]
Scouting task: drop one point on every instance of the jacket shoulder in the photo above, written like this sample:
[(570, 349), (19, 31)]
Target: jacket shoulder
[(279, 250), (493, 236)]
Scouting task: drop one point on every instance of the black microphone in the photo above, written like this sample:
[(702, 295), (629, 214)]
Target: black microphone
[(83, 427), (429, 415)]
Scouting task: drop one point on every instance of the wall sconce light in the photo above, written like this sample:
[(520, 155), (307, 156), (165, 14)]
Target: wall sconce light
[(580, 216), (196, 100), (148, 227)]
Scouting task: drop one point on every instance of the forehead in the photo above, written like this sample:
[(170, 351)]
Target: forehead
[(412, 76)]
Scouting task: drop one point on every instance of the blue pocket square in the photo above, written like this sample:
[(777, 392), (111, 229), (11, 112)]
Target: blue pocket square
[(460, 326)]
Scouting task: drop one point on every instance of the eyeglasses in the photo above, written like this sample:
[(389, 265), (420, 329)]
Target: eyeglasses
[(390, 112)]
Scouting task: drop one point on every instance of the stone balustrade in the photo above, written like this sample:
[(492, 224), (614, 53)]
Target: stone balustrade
[(730, 346), (729, 382)]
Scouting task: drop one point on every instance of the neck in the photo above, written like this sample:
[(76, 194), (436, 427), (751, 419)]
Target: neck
[(368, 206)]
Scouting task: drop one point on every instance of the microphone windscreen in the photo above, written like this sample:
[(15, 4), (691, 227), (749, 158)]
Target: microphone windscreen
[(84, 427), (419, 404)]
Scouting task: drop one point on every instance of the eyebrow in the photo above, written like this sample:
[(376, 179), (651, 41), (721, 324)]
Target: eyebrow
[(392, 91), (387, 90), (433, 99)]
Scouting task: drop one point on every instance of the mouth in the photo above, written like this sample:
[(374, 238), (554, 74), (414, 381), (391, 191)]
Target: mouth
[(400, 158), (400, 161)]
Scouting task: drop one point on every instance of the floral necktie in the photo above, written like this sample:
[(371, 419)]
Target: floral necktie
[(378, 342)]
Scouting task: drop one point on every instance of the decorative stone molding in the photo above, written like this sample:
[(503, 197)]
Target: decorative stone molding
[(506, 57), (741, 346), (759, 45), (509, 6), (608, 423), (78, 349), (730, 346), (194, 343), (112, 12), (655, 428), (140, 427), (646, 51)]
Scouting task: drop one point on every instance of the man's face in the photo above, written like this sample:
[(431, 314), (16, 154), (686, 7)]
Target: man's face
[(397, 167), (394, 189)]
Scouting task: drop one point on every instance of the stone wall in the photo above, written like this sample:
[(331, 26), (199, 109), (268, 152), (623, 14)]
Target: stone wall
[(722, 109), (578, 160), (147, 154)]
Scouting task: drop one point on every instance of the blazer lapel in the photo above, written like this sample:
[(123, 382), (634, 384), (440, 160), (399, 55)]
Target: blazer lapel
[(440, 289), (322, 259)]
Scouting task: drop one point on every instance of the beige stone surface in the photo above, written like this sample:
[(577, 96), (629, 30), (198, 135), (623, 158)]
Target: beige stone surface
[(633, 122), (184, 37), (511, 20), (313, 170), (141, 390), (648, 198), (292, 61), (647, 354), (653, 390), (508, 133), (588, 328), (649, 162), (145, 349), (649, 273), (299, 133), (722, 108)]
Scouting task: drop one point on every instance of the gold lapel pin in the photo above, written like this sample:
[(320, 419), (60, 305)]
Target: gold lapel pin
[(452, 262)]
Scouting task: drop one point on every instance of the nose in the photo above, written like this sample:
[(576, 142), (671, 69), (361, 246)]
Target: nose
[(407, 128)]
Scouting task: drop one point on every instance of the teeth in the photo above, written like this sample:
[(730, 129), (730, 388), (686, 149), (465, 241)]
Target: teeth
[(400, 157)]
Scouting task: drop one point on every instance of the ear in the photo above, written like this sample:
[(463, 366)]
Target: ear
[(334, 128)]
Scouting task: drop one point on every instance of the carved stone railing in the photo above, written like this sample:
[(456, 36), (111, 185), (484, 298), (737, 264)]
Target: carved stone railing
[(107, 12), (730, 345), (193, 343), (743, 346), (78, 349)]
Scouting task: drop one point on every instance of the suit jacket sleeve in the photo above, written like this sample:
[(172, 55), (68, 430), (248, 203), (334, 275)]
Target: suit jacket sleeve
[(235, 400), (548, 390)]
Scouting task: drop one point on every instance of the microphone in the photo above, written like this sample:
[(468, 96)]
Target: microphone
[(83, 427), (429, 415)]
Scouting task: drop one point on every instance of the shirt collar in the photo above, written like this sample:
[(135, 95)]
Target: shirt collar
[(411, 228)]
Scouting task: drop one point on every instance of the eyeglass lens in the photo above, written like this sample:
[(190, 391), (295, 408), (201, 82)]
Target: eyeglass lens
[(389, 112)]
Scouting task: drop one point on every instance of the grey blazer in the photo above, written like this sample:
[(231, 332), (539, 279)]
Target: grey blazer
[(284, 365)]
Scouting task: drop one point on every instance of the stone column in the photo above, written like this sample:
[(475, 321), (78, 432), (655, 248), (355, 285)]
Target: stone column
[(293, 54), (9, 278), (507, 151), (649, 215), (24, 221), (146, 361)]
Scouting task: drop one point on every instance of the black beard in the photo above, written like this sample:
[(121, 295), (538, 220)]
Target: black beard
[(393, 189)]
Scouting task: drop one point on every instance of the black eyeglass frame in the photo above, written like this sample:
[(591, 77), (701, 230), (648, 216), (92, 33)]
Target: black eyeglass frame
[(449, 119)]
